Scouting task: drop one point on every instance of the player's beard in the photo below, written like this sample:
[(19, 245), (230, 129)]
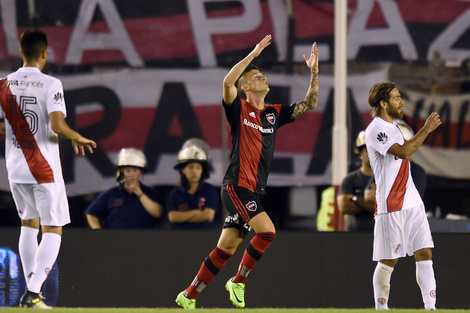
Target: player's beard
[(395, 113)]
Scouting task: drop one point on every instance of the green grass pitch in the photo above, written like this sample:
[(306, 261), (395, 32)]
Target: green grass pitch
[(215, 310)]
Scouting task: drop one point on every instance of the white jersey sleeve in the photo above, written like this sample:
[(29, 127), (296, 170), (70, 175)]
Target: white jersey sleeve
[(27, 98), (395, 188)]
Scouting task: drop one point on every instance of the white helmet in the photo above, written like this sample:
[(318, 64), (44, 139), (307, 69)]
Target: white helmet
[(405, 129), (194, 150), (360, 141), (129, 157)]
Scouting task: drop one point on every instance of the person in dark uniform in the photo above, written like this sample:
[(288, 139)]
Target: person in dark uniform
[(253, 125), (193, 204), (131, 204), (360, 214)]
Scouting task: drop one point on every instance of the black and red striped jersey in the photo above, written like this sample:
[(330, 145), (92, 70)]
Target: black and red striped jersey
[(253, 135)]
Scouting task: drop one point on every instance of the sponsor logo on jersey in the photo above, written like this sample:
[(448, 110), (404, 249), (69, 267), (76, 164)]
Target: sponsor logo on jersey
[(23, 83), (251, 206), (397, 248), (252, 114), (271, 118), (269, 130), (382, 137), (58, 97)]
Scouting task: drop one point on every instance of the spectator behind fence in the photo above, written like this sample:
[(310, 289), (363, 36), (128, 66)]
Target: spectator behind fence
[(34, 111), (194, 203), (131, 204), (350, 199)]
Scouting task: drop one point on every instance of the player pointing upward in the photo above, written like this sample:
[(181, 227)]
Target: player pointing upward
[(253, 125)]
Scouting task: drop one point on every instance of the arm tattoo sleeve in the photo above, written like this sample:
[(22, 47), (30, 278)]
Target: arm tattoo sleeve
[(311, 98)]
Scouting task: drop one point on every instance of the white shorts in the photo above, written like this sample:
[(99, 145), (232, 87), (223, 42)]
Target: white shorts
[(401, 233), (46, 201)]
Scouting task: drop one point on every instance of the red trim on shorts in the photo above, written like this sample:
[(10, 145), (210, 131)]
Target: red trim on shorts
[(238, 203), (36, 161)]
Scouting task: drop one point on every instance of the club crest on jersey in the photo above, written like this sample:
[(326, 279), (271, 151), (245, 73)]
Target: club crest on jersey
[(271, 118), (201, 203), (251, 206), (397, 248), (382, 137)]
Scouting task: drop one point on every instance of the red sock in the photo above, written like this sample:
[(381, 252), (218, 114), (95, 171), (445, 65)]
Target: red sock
[(207, 272), (253, 253)]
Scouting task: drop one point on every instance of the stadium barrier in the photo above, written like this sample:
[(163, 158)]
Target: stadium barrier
[(147, 268)]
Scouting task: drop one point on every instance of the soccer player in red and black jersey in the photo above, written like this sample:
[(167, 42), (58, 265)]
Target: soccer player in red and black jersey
[(253, 125)]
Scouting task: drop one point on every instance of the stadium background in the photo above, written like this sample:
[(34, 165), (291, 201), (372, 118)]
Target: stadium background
[(148, 74)]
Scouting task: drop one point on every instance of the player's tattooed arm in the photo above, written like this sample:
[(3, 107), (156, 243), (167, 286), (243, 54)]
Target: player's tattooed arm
[(311, 98)]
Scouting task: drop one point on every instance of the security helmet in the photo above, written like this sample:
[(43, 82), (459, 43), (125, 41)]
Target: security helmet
[(360, 141), (405, 129), (194, 150), (129, 157)]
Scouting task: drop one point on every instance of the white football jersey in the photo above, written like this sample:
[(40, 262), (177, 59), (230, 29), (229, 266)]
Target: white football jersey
[(395, 188), (27, 97)]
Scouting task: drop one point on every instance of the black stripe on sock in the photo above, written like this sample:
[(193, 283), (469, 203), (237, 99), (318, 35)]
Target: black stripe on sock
[(254, 254), (210, 266)]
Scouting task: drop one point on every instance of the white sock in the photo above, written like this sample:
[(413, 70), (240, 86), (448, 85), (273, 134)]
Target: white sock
[(427, 283), (27, 247), (45, 257), (381, 283)]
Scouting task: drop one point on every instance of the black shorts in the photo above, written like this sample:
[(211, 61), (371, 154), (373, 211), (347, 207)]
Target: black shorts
[(242, 205)]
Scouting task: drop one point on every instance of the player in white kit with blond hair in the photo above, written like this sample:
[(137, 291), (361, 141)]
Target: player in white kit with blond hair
[(32, 106), (401, 225)]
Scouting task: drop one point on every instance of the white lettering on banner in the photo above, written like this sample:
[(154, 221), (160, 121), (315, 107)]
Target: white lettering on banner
[(148, 91), (204, 27), (448, 37), (396, 33), (117, 39), (280, 17), (8, 13), (454, 163)]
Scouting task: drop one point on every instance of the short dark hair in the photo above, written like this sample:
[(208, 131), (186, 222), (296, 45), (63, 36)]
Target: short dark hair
[(240, 81), (33, 42)]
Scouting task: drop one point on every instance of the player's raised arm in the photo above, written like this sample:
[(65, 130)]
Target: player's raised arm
[(311, 98), (230, 90), (409, 147)]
